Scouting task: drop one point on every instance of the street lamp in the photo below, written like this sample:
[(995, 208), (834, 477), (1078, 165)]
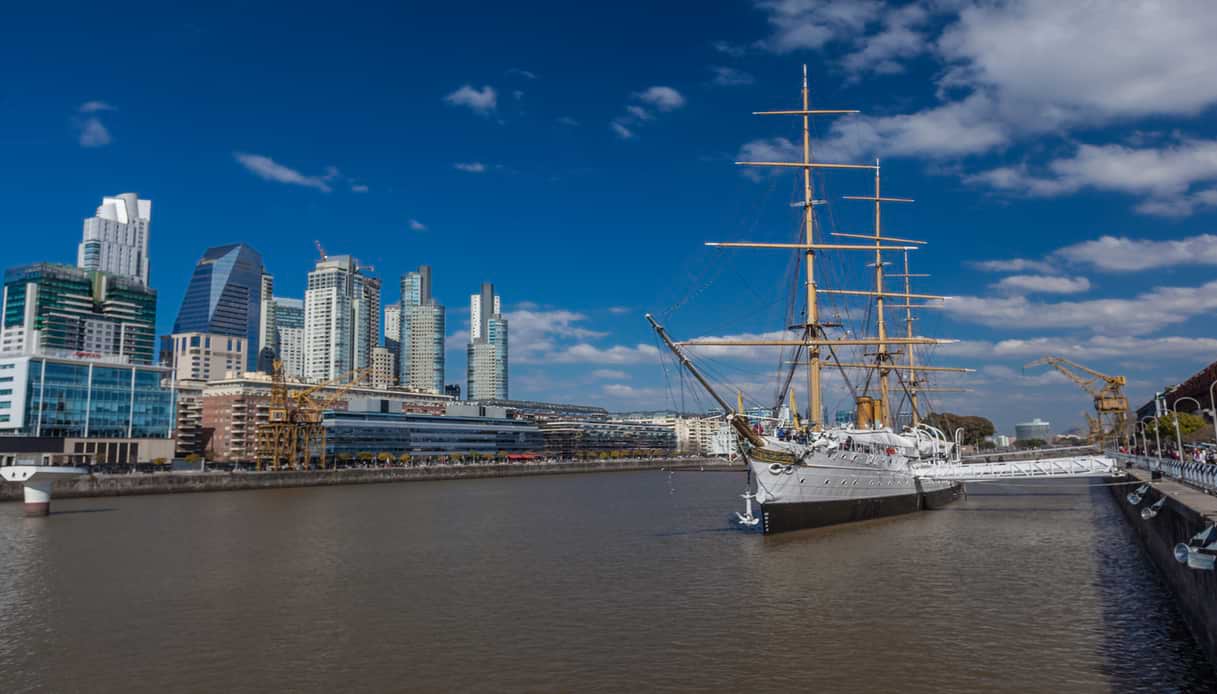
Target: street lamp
[(1213, 410), (1157, 437), (1178, 435)]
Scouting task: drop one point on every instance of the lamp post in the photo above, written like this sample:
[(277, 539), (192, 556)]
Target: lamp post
[(1178, 435), (1144, 441), (1213, 410), (1157, 437)]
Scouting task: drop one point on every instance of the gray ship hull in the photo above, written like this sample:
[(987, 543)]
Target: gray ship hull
[(842, 487), (779, 517)]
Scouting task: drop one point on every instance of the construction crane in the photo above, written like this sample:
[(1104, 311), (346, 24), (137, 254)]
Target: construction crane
[(293, 435), (1110, 404)]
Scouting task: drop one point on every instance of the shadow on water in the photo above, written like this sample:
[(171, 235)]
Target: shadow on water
[(1146, 646)]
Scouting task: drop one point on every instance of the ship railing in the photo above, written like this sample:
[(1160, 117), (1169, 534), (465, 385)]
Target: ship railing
[(1202, 476)]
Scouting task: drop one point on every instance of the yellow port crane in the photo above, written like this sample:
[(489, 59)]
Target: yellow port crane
[(292, 435), (1110, 404)]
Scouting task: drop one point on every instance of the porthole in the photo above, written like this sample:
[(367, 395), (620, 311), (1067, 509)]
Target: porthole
[(844, 482), (825, 480)]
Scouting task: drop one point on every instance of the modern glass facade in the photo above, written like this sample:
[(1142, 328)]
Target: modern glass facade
[(486, 373), (48, 306), (224, 296), (427, 435), (82, 399)]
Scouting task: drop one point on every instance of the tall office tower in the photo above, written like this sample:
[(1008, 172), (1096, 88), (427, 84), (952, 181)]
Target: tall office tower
[(115, 240), (60, 310), (267, 335), (289, 334), (341, 318), (224, 297), (393, 331), (421, 360), (487, 355)]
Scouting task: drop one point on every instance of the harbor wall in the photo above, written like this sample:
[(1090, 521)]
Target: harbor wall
[(176, 483), (1186, 512)]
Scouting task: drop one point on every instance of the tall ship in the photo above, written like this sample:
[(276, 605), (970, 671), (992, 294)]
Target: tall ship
[(804, 472)]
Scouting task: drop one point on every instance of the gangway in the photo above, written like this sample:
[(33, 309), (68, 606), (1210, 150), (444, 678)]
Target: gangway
[(1041, 468)]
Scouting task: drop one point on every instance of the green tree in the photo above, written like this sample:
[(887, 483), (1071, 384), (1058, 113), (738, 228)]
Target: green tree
[(975, 428), (1030, 443), (1165, 425), (404, 459)]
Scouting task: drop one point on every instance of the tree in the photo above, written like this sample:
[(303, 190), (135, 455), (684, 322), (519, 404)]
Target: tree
[(404, 459), (987, 445), (1030, 443), (975, 428), (385, 457), (1165, 425)]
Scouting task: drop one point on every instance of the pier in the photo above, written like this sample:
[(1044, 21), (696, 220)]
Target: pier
[(81, 485), (1177, 504)]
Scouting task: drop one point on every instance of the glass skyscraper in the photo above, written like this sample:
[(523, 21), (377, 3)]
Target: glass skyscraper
[(63, 310), (224, 296), (487, 354)]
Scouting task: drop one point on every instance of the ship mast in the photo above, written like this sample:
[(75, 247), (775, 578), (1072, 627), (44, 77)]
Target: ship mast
[(814, 336), (883, 357)]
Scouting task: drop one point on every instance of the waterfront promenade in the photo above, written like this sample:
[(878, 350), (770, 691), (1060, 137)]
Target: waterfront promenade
[(104, 485)]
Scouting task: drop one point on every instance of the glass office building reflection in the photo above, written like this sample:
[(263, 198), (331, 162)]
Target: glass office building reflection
[(224, 296), (64, 398)]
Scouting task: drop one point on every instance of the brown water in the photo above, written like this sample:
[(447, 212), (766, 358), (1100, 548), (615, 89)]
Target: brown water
[(599, 582)]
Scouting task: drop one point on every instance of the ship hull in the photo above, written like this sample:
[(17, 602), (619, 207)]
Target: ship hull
[(784, 517), (842, 487)]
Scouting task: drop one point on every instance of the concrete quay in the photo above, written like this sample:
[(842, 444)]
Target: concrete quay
[(182, 482), (1186, 512)]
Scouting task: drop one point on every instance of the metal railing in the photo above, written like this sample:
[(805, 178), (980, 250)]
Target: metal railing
[(1202, 476)]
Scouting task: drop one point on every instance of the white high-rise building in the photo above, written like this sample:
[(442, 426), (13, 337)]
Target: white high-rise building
[(288, 319), (267, 333), (421, 342), (487, 354), (393, 335), (341, 318), (115, 240)]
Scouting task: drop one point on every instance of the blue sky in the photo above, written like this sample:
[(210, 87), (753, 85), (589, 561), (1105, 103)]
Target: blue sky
[(1063, 157)]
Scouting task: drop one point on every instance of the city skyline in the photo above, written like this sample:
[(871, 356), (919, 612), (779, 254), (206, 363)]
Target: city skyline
[(1046, 204)]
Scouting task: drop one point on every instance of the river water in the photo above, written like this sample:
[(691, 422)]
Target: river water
[(592, 583)]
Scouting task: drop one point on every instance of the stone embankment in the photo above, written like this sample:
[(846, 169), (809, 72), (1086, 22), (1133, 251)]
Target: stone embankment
[(181, 482), (1186, 512)]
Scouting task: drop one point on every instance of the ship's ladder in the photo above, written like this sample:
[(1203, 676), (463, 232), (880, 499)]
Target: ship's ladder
[(1044, 468)]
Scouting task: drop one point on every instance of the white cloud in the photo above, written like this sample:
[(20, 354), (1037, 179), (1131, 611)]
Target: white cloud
[(567, 120), (730, 77), (270, 170), (95, 106), (621, 131), (899, 39), (1144, 313), (93, 133), (1122, 254), (470, 167), (610, 374), (359, 188), (1165, 174), (619, 310), (416, 225), (481, 101), (1091, 347), (1156, 59), (1042, 284), (1013, 265), (662, 98), (617, 354), (639, 113), (806, 24), (727, 48), (522, 73)]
